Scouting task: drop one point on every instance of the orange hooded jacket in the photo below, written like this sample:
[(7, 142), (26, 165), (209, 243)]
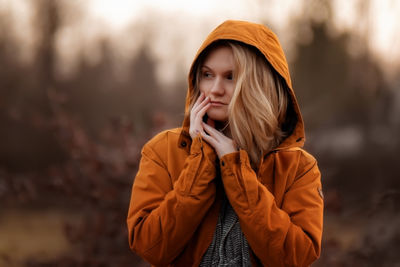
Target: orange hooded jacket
[(176, 194)]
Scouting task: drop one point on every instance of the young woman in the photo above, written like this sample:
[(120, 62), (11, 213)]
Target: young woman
[(232, 186)]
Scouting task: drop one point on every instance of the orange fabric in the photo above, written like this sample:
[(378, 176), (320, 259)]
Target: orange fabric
[(176, 193)]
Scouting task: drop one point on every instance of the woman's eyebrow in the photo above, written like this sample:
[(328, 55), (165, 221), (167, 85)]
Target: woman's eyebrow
[(209, 68)]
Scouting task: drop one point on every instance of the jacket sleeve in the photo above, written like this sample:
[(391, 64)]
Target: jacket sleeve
[(289, 235), (163, 217)]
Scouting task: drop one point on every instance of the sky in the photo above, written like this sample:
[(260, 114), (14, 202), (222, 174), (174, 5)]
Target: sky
[(383, 13), (380, 24), (182, 25)]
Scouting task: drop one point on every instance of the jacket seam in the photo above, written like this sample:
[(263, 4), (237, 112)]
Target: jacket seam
[(299, 177), (159, 162), (151, 247), (307, 171)]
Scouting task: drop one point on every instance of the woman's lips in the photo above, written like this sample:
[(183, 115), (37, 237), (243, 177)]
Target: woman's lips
[(217, 104)]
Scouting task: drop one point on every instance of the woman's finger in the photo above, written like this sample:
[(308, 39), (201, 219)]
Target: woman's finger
[(209, 139), (202, 112), (201, 105), (198, 101), (212, 131)]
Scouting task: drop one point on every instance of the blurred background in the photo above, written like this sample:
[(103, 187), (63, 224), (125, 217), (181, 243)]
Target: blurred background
[(84, 84)]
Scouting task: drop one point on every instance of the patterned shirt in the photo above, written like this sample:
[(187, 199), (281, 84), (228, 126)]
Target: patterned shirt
[(229, 246)]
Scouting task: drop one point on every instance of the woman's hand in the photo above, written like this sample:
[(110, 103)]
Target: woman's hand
[(222, 144), (196, 116)]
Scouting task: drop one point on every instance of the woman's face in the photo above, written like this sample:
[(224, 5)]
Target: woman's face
[(217, 81)]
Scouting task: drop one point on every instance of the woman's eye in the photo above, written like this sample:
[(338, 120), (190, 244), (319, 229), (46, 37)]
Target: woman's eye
[(206, 74), (229, 76)]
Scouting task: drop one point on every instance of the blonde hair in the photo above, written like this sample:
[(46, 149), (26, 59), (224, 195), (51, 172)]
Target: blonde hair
[(258, 106)]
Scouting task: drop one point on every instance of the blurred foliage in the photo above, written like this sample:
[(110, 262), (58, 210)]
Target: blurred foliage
[(74, 144), (347, 105)]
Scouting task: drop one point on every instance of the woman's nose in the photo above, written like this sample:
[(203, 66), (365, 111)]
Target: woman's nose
[(217, 86)]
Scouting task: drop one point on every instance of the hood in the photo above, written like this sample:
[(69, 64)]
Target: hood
[(262, 38)]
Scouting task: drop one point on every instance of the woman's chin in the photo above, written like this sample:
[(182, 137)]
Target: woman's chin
[(217, 116)]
